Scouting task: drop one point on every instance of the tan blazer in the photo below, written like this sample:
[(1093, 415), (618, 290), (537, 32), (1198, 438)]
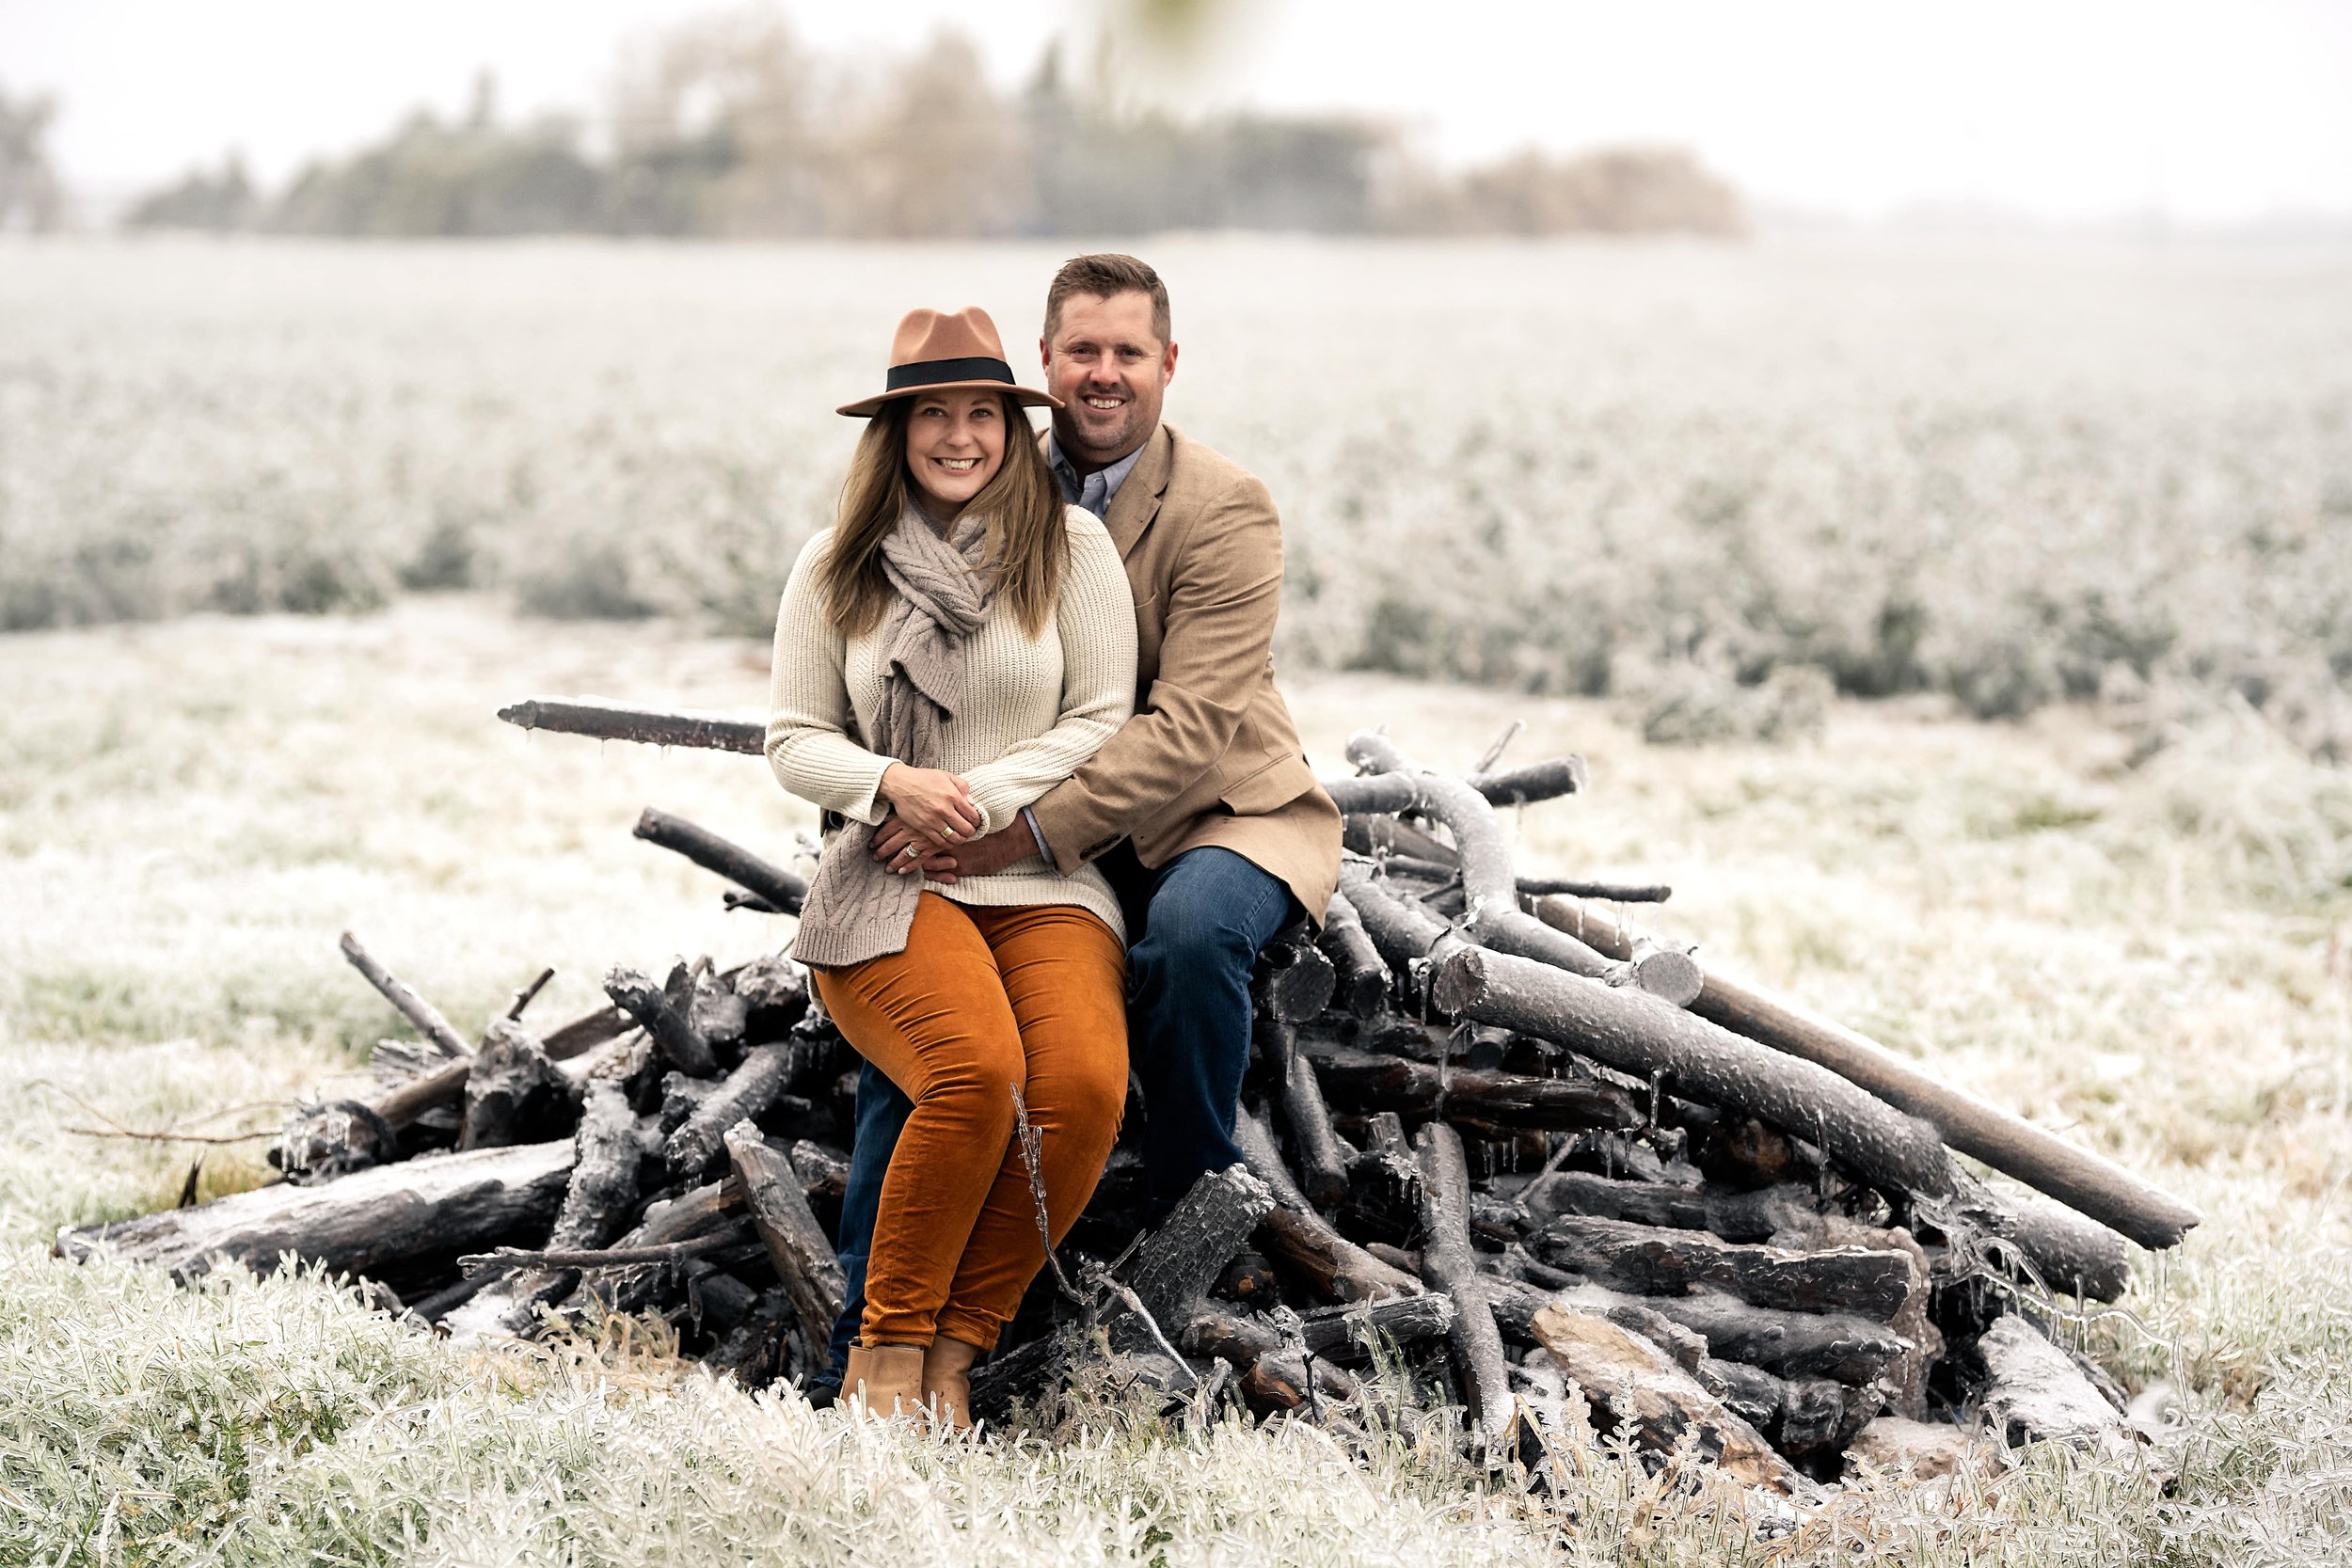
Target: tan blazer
[(1210, 756)]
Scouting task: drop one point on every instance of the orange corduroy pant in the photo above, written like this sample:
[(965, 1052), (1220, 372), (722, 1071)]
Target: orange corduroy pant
[(981, 998)]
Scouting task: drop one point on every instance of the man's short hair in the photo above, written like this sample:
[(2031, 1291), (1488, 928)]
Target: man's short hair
[(1107, 273)]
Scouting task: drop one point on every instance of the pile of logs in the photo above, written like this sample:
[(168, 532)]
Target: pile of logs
[(1536, 1156)]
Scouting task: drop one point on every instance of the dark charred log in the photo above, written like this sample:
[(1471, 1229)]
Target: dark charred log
[(1295, 981), (1362, 976), (1362, 1080), (365, 1222), (1323, 1159), (754, 1350), (671, 1034), (747, 1093), (2077, 1177), (1298, 1237), (1343, 1333), (1649, 1260), (403, 998), (1735, 1216), (612, 721), (780, 889), (1177, 1263), (515, 1094), (805, 1266), (1644, 1036), (774, 992), (1448, 1265), (1384, 1183), (719, 1016)]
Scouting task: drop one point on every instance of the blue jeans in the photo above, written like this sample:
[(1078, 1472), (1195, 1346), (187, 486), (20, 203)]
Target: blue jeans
[(1203, 918), (882, 1111)]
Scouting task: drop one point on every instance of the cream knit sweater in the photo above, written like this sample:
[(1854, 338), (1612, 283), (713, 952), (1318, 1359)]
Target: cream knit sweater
[(1033, 711)]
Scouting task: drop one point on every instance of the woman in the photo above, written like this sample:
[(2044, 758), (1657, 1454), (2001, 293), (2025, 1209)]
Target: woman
[(956, 645)]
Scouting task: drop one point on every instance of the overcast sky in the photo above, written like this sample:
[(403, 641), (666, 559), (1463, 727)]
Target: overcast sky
[(2064, 109)]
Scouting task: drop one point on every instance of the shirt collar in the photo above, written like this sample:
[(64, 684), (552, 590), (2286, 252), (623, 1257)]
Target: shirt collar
[(1094, 491)]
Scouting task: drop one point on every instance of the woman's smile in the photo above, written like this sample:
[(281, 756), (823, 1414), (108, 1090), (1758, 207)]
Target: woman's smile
[(955, 445)]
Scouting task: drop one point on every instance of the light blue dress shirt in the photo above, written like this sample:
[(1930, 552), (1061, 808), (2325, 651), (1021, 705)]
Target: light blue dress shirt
[(1095, 492)]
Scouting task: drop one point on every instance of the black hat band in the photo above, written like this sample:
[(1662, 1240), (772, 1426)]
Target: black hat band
[(932, 372)]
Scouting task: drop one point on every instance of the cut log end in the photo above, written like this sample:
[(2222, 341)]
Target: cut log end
[(1648, 1398), (1668, 973)]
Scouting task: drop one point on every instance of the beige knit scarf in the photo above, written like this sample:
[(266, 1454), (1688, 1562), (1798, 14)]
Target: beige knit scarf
[(857, 909)]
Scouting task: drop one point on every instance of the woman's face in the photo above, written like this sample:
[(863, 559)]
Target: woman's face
[(955, 445)]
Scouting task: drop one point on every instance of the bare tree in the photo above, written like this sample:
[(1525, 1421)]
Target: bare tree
[(940, 155), (217, 203), (30, 197), (1617, 190), (715, 131)]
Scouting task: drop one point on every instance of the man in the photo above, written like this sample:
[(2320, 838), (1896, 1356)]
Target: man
[(1201, 807)]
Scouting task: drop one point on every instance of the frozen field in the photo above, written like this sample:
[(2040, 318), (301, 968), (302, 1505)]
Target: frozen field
[(2007, 474), (1610, 489), (2156, 961)]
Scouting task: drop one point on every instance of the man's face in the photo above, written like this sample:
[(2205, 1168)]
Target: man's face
[(1110, 371)]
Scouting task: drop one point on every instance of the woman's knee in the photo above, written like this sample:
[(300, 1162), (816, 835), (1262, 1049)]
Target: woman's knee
[(1086, 1097), (977, 1069)]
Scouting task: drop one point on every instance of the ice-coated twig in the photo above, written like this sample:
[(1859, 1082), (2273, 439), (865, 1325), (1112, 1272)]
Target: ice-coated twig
[(524, 997), (1134, 1304), (1099, 1279), (1032, 1155), (1503, 742), (607, 1257)]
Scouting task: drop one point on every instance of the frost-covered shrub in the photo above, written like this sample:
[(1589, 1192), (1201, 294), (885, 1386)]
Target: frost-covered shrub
[(1995, 475)]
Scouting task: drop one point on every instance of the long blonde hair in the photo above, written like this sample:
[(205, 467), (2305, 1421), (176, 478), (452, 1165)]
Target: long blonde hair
[(1028, 544)]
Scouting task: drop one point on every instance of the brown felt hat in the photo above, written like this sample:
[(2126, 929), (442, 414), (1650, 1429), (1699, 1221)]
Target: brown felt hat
[(936, 351)]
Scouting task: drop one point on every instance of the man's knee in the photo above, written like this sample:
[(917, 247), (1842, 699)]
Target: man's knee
[(1210, 917), (1191, 934)]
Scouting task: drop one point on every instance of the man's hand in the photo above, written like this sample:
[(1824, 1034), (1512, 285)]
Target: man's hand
[(976, 857), (984, 857), (930, 858)]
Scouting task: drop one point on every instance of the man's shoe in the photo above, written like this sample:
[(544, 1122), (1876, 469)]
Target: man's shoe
[(889, 1378), (947, 1382)]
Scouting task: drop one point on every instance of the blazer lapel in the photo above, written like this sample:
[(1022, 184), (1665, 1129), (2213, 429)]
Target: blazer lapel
[(1138, 500)]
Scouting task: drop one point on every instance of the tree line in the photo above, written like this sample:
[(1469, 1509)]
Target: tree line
[(727, 127)]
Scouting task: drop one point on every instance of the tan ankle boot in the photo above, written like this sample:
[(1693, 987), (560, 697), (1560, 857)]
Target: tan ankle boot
[(888, 1377), (947, 1380)]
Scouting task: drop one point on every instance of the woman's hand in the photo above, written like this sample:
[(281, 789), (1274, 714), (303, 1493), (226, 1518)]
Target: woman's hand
[(930, 858), (934, 803)]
